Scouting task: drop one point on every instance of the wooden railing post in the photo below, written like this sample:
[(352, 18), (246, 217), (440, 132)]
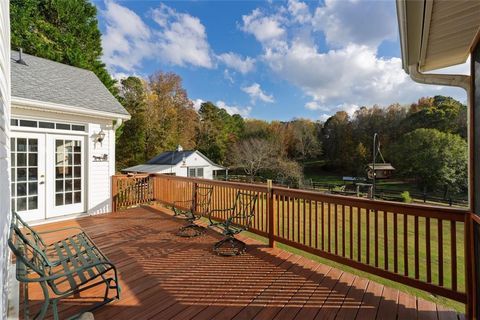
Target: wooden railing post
[(194, 204), (270, 214), (114, 193)]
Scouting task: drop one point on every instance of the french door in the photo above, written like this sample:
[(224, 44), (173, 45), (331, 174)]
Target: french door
[(65, 175), (48, 175), (28, 175)]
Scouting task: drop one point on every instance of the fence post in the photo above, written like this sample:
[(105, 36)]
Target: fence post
[(114, 193), (194, 202), (270, 214), (470, 279)]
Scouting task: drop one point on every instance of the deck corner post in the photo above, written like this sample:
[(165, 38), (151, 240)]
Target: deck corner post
[(114, 193), (270, 214)]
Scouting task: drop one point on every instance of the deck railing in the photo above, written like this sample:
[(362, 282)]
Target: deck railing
[(129, 190), (420, 246)]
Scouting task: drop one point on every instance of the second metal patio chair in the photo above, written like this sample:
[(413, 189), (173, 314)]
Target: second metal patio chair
[(238, 218), (193, 209)]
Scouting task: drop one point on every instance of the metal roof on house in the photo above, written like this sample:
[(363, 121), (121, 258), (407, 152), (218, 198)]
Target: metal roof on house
[(381, 166), (170, 157), (147, 168), (53, 82)]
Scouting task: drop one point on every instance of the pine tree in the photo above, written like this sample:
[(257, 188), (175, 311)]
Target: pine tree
[(61, 30)]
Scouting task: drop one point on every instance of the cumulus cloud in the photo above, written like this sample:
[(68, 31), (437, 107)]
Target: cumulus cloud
[(262, 26), (125, 45), (236, 62), (349, 72), (233, 109), (256, 93), (360, 22), (181, 39), (178, 39)]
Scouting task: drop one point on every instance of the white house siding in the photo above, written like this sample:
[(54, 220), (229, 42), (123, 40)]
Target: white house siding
[(98, 174), (4, 151)]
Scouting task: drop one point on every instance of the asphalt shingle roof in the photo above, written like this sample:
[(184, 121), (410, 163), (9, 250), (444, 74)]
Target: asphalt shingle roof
[(50, 81), (170, 157)]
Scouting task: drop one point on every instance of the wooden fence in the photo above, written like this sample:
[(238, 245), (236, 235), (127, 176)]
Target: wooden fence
[(129, 191), (421, 246)]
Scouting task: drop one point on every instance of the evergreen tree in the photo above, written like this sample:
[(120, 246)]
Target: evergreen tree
[(61, 30)]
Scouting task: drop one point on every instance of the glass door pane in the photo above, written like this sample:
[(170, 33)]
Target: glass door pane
[(24, 174), (68, 172)]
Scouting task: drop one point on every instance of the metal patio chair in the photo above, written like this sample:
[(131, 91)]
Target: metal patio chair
[(193, 209), (238, 219), (62, 269)]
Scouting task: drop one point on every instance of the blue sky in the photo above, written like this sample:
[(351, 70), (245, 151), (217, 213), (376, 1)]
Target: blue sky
[(273, 60)]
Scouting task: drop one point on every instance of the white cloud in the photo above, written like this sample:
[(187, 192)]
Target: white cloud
[(256, 93), (263, 27), (125, 45), (231, 109), (349, 73), (299, 11), (229, 76), (360, 22), (236, 62), (182, 39), (197, 103), (243, 111), (128, 41)]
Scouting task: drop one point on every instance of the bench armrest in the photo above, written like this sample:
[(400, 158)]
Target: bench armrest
[(67, 274), (80, 230), (210, 213)]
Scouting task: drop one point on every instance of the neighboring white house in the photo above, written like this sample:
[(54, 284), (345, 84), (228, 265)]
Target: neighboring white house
[(62, 138), (182, 163)]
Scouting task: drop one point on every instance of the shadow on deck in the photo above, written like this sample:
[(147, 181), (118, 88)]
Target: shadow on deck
[(167, 277)]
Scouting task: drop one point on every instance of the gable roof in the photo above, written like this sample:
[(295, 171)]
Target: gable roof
[(56, 83), (175, 157), (381, 166), (170, 157)]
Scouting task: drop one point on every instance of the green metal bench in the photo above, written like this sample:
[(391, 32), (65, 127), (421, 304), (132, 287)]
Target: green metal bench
[(196, 208), (63, 268), (239, 218)]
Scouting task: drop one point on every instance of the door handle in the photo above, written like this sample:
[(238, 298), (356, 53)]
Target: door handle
[(41, 182)]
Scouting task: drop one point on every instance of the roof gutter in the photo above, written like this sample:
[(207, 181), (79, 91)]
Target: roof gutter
[(452, 80)]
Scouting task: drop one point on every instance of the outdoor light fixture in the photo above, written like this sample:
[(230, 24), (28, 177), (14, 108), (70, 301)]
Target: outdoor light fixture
[(99, 137)]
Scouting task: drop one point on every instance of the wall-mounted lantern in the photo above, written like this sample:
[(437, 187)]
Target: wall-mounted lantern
[(98, 138)]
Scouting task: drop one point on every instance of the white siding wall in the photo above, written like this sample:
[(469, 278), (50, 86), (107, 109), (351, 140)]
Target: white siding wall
[(100, 173), (4, 151), (194, 160)]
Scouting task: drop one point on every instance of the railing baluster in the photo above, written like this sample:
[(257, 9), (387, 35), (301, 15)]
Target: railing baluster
[(336, 229), (405, 244), (440, 252), (351, 233), (322, 223), (367, 240), (359, 233), (376, 237), (385, 239), (304, 221), (395, 242), (343, 230), (417, 249), (428, 250), (288, 219), (453, 247), (316, 224), (329, 238), (310, 222)]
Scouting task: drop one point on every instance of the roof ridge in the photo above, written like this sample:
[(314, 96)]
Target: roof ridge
[(49, 60)]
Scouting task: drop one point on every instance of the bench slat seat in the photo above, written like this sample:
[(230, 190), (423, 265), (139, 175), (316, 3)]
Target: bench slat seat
[(62, 268)]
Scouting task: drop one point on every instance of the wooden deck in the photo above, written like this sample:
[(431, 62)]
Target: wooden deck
[(167, 277)]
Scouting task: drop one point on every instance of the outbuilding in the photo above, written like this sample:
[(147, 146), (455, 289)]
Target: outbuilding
[(62, 139), (183, 163)]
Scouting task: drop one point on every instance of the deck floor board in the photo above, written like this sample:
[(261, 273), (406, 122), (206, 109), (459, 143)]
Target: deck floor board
[(166, 277)]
